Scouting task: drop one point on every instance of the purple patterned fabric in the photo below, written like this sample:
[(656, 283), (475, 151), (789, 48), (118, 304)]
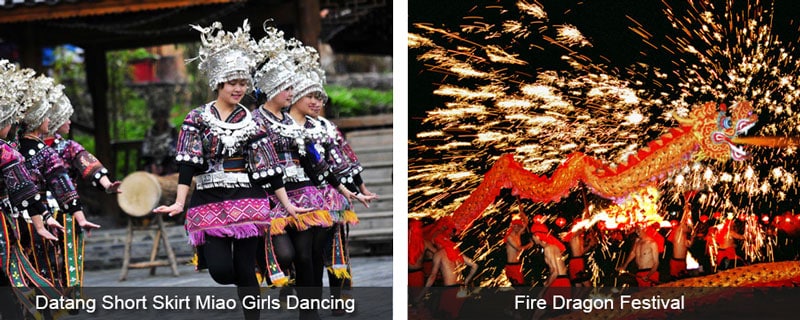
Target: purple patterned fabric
[(336, 156), (49, 173), (226, 212), (308, 197), (334, 201), (347, 151), (240, 218)]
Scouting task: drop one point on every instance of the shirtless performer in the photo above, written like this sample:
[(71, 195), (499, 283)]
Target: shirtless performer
[(553, 253), (514, 250), (645, 251), (726, 252), (577, 258), (680, 238), (446, 260)]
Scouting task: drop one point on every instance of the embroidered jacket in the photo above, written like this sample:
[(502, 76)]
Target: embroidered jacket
[(288, 141), (346, 151), (48, 172), (17, 186), (79, 162), (205, 147)]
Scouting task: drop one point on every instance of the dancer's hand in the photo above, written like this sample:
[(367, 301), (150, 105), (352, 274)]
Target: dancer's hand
[(365, 199), (364, 190), (86, 225), (54, 224), (295, 210), (114, 188), (174, 209), (46, 234)]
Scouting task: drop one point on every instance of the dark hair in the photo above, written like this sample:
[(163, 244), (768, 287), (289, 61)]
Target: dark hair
[(219, 86)]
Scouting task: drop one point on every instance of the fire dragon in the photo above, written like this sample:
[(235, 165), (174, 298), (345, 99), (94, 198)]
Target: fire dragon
[(708, 132)]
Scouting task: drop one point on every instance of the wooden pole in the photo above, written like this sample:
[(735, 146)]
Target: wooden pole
[(309, 22), (97, 81)]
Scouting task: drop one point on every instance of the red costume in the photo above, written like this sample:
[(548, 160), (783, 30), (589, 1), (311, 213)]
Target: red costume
[(643, 279), (416, 278), (560, 286), (677, 267), (576, 264), (514, 274), (723, 253)]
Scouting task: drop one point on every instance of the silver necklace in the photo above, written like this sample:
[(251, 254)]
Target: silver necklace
[(232, 135), (292, 131)]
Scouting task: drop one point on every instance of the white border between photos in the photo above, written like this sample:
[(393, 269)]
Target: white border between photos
[(400, 159)]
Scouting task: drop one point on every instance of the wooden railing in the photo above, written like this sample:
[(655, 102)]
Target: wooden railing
[(126, 157)]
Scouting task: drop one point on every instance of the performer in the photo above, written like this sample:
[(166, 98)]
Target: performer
[(416, 252), (558, 279), (446, 261), (50, 174), (18, 193), (292, 237), (645, 252), (514, 248), (229, 209), (726, 246), (79, 162), (679, 237), (578, 274), (330, 170), (553, 251)]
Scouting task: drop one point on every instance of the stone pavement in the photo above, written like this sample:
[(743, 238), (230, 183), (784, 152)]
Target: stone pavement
[(372, 282)]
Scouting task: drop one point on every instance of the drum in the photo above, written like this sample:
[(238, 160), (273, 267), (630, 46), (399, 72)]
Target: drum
[(143, 191)]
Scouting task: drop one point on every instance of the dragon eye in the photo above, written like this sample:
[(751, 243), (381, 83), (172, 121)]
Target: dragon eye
[(726, 123)]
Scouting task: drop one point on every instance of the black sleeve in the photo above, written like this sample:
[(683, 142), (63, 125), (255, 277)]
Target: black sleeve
[(36, 207), (185, 174), (357, 179), (275, 182), (332, 180)]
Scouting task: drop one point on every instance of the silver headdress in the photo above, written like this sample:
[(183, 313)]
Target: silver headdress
[(60, 112), (310, 77), (13, 88), (38, 98), (226, 56), (276, 74)]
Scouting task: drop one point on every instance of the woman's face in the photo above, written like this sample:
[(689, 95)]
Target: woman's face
[(232, 91), (4, 131), (310, 104), (284, 98), (64, 128), (43, 127)]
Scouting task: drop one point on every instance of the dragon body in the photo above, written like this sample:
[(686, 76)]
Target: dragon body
[(707, 132)]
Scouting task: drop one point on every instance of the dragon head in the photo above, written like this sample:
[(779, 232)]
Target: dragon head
[(715, 129)]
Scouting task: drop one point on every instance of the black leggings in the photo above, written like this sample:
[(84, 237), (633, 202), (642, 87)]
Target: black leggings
[(303, 251), (293, 251), (233, 261)]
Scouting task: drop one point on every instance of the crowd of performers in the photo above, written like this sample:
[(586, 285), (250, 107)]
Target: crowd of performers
[(274, 186), (42, 224), (569, 255)]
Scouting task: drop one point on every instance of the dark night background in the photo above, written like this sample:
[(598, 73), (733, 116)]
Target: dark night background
[(605, 24)]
